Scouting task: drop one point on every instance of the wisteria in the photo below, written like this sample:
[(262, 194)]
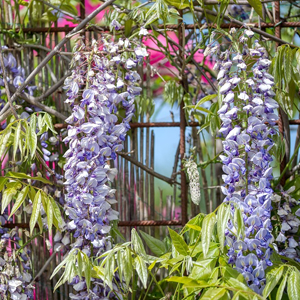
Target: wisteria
[(15, 264), (287, 221), (15, 268), (101, 92), (247, 115)]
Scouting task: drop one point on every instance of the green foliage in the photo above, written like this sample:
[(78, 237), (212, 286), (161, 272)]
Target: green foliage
[(256, 4), (156, 246), (285, 69), (173, 92), (22, 136)]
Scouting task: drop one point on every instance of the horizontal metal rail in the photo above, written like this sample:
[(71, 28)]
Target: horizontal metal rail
[(172, 26), (59, 126), (120, 224)]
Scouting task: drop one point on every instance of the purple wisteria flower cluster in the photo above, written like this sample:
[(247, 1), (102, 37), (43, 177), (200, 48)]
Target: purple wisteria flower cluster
[(287, 221), (101, 92), (16, 77), (15, 269), (247, 115)]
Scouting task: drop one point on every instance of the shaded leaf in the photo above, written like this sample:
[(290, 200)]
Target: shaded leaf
[(155, 245)]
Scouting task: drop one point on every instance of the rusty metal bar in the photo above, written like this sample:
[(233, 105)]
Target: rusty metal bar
[(183, 185), (141, 125), (173, 26), (59, 126), (120, 224), (150, 223)]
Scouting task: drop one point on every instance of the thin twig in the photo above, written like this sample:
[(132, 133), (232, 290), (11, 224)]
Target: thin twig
[(44, 267)]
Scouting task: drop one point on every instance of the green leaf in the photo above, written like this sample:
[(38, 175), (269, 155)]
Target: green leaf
[(141, 270), (109, 269), (48, 120), (36, 207), (180, 4), (49, 216), (206, 98), (281, 287), (273, 278), (5, 135), (214, 293), (69, 8), (120, 261), (88, 272), (184, 280), (137, 243), (207, 229), (223, 216), (32, 123), (256, 4), (155, 245), (20, 199), (80, 264), (7, 197), (239, 221), (31, 141), (127, 266), (16, 139), (293, 288), (3, 181), (233, 282), (178, 242), (56, 210), (68, 258), (194, 227), (199, 108), (24, 176), (40, 222), (288, 64)]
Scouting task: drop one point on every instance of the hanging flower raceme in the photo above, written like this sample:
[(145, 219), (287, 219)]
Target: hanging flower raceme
[(15, 268), (247, 115), (102, 87), (194, 184)]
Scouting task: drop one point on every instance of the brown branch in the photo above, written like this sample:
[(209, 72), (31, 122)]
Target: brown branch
[(34, 101), (148, 170)]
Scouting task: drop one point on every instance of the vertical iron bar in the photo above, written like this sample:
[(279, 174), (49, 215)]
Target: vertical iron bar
[(181, 33)]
